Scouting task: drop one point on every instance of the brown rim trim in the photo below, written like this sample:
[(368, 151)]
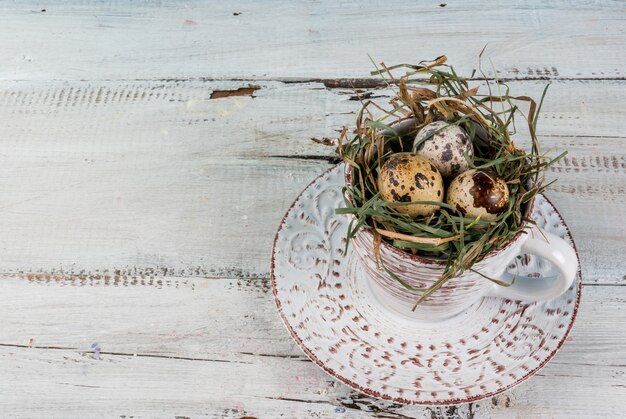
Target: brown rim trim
[(377, 394)]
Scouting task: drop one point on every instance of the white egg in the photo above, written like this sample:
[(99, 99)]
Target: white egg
[(478, 193), (445, 145), (407, 177)]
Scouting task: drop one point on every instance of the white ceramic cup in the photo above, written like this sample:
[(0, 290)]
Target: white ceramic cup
[(460, 292)]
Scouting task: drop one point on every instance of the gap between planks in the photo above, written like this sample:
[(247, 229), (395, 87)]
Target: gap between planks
[(329, 83), (249, 281), (96, 353)]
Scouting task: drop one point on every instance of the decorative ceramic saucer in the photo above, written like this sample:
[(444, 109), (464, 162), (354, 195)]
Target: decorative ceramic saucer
[(326, 303)]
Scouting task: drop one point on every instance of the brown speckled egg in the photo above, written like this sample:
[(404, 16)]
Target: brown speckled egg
[(445, 145), (478, 193), (407, 177)]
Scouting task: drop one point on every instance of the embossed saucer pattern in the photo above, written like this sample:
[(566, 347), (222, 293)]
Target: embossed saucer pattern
[(326, 304)]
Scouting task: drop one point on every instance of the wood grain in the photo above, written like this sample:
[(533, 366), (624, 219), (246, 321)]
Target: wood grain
[(325, 39), (156, 179), (49, 332), (137, 213)]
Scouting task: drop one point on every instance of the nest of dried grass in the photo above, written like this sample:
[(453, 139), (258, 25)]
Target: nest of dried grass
[(427, 92)]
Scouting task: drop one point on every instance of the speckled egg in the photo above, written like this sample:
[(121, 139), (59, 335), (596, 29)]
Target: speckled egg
[(407, 177), (445, 145), (478, 193)]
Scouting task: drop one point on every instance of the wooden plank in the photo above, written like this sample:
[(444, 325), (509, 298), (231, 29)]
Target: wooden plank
[(142, 187), (72, 40), (201, 347), (156, 178)]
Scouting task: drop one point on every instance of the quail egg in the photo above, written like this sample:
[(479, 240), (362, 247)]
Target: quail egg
[(478, 193), (407, 177), (445, 145)]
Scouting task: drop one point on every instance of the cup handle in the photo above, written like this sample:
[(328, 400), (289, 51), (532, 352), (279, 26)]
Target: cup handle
[(550, 247)]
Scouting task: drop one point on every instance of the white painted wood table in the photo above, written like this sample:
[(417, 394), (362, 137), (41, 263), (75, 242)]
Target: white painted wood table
[(137, 213)]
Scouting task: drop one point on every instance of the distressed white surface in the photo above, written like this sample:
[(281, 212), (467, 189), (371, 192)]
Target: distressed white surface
[(135, 210), (156, 176), (110, 39), (233, 353)]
